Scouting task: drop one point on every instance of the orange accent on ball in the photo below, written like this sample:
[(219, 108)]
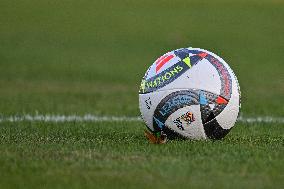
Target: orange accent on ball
[(221, 100)]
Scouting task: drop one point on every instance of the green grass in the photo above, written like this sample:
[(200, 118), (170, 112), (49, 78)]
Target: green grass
[(55, 54), (85, 56), (107, 155)]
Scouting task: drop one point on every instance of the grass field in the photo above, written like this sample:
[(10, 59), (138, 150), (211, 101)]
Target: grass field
[(116, 155), (87, 57)]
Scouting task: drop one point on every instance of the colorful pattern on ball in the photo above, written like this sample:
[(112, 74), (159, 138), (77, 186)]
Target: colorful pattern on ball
[(195, 107)]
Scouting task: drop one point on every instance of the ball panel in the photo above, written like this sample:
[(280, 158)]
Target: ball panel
[(166, 105), (148, 103), (213, 130), (228, 116), (161, 64), (172, 100), (171, 103), (187, 122), (201, 76), (163, 78), (223, 69), (186, 60), (211, 105)]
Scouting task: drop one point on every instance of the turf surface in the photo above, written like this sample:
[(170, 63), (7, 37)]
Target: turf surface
[(116, 155), (77, 57), (58, 56)]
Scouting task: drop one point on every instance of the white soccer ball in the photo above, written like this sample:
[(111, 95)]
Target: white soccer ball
[(190, 93)]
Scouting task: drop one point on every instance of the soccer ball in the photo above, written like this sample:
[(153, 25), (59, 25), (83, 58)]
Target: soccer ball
[(189, 93)]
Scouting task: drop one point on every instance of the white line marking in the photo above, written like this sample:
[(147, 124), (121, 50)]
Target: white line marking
[(94, 118), (68, 118), (259, 119)]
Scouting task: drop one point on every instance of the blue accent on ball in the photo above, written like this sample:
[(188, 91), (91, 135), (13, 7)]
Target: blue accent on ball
[(202, 99), (159, 123)]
